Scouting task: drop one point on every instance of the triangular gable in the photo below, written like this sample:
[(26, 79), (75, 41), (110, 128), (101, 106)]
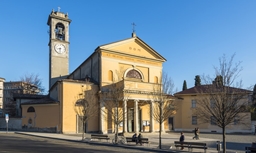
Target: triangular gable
[(133, 46)]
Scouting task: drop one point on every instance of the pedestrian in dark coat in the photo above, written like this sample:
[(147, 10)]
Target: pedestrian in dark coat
[(182, 139), (139, 139), (134, 138), (195, 133)]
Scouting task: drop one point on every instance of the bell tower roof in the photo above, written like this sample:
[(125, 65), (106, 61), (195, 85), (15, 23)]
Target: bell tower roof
[(58, 15)]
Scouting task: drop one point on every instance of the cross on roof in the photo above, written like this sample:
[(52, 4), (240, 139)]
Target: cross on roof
[(133, 27)]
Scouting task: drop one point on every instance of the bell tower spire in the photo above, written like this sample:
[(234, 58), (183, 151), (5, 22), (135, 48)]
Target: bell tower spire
[(58, 23)]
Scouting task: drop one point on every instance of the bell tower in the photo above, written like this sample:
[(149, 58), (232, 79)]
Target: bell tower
[(58, 23)]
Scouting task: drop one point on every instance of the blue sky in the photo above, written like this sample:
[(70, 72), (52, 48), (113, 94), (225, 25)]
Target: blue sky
[(190, 34)]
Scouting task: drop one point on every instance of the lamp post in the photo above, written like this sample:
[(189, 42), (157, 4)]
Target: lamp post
[(6, 119)]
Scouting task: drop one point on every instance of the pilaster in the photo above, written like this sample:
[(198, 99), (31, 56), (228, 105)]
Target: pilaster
[(125, 116)]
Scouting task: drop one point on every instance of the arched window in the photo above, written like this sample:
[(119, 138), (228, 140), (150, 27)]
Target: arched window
[(133, 74), (156, 79), (31, 109), (60, 31), (110, 75)]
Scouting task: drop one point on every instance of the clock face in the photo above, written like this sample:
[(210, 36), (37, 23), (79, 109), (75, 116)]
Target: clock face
[(60, 48)]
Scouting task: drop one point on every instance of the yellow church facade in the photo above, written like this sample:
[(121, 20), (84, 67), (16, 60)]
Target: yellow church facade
[(131, 64)]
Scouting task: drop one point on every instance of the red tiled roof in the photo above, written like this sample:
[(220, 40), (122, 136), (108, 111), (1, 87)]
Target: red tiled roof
[(205, 89), (45, 100)]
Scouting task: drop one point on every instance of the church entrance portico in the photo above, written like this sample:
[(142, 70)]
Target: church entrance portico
[(137, 116)]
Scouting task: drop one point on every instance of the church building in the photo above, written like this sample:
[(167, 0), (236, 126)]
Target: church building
[(130, 64)]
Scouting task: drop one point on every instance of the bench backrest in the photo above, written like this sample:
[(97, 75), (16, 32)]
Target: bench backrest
[(197, 143), (250, 148), (144, 139), (99, 135), (178, 142), (191, 143)]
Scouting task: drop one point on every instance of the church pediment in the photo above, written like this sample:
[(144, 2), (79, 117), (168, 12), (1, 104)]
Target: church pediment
[(133, 46)]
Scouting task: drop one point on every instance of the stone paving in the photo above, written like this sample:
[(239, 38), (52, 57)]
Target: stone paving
[(235, 142)]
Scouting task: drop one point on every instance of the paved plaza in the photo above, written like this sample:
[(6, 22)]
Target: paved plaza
[(235, 142)]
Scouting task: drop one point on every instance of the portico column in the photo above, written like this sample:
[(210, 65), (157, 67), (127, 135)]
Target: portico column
[(125, 116), (136, 116), (102, 118), (151, 117)]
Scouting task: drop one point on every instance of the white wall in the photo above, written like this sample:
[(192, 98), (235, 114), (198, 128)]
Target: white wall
[(13, 123)]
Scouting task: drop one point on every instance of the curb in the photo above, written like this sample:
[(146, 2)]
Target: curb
[(104, 144)]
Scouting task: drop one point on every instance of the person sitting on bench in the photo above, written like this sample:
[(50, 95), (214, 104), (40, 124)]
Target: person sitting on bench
[(134, 138), (139, 139)]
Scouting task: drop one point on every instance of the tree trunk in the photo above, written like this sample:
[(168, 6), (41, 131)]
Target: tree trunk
[(160, 135), (160, 126), (116, 122), (116, 134), (83, 130), (224, 139)]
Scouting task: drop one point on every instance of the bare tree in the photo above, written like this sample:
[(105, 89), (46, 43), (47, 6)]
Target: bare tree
[(113, 96), (15, 88), (35, 80), (113, 102), (253, 104), (221, 101), (164, 104), (86, 105), (11, 107)]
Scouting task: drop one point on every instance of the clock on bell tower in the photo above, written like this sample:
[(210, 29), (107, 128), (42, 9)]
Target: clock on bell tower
[(58, 23)]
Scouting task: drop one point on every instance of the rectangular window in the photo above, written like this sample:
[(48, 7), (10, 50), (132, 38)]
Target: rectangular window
[(236, 121), (194, 120), (213, 120), (212, 103), (193, 103)]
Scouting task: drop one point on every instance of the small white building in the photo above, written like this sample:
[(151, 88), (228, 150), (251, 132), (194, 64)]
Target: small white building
[(1, 95)]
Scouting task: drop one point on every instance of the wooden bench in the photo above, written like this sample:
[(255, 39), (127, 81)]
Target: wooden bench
[(250, 149), (181, 144), (143, 140), (190, 145), (100, 137), (129, 140)]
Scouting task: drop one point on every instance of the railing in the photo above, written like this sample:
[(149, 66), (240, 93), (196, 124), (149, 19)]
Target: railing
[(139, 86)]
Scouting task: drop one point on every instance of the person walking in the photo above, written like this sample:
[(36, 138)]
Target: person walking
[(182, 139), (195, 133)]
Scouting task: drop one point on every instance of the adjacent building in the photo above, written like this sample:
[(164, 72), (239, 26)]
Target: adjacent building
[(1, 95), (190, 99), (10, 105)]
